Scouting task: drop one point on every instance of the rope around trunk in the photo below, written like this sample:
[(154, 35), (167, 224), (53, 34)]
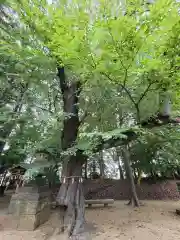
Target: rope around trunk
[(73, 178)]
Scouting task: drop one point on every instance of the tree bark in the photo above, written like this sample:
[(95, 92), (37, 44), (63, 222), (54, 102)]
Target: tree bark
[(134, 198), (70, 197)]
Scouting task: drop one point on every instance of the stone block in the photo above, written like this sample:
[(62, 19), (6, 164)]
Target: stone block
[(30, 207), (43, 215), (11, 223), (27, 222)]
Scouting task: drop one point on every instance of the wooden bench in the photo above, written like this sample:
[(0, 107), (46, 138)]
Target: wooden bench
[(99, 201), (91, 202)]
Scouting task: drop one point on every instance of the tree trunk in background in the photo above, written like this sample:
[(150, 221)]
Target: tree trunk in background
[(101, 164), (86, 170), (2, 189), (134, 197), (121, 174), (153, 176), (139, 177), (165, 104), (94, 165), (70, 197), (118, 155), (134, 175)]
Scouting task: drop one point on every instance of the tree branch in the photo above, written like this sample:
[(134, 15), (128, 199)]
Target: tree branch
[(54, 102), (44, 109), (19, 102), (144, 93), (158, 121), (123, 87)]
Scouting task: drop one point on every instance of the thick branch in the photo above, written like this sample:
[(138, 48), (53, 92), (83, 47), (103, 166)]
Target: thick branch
[(71, 92), (123, 87), (163, 116), (131, 135), (159, 120)]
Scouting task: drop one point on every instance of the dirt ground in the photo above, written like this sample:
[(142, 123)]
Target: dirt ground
[(154, 221)]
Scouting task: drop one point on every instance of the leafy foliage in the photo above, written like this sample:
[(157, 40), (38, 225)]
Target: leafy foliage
[(157, 153), (124, 55)]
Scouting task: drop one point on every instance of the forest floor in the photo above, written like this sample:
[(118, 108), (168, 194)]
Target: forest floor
[(156, 220)]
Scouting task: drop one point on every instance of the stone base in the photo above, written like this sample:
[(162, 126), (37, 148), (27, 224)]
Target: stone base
[(29, 208)]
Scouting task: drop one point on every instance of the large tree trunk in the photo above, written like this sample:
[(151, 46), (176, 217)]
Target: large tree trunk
[(134, 197), (70, 197)]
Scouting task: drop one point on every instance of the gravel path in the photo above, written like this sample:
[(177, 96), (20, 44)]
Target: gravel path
[(154, 221)]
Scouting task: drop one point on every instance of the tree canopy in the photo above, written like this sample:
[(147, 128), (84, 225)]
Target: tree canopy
[(125, 56)]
